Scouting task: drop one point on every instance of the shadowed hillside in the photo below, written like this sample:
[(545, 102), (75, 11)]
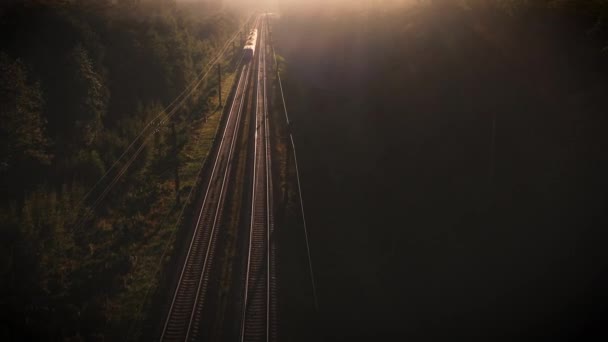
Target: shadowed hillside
[(453, 163)]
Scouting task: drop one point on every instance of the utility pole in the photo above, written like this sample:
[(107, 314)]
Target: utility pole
[(176, 162), (219, 81)]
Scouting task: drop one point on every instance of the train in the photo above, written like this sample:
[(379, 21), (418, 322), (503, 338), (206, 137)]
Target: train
[(249, 49)]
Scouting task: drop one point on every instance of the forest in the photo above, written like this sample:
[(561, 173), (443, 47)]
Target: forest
[(79, 81), (452, 157), (453, 163)]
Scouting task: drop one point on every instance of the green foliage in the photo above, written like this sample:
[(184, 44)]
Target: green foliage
[(22, 132), (88, 97), (88, 78), (87, 166), (42, 254)]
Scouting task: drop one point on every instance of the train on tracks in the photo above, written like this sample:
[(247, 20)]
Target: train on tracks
[(249, 49)]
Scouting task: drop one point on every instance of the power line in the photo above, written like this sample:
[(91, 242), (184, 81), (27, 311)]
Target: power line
[(181, 213), (312, 278), (181, 98)]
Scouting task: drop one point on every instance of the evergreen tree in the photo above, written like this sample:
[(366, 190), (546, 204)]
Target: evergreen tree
[(90, 97), (23, 129)]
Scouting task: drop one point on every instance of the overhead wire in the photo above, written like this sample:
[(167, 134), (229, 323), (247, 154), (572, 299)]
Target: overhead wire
[(181, 98), (306, 235), (168, 242)]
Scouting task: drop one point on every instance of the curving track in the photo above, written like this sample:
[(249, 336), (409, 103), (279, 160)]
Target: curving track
[(259, 309)]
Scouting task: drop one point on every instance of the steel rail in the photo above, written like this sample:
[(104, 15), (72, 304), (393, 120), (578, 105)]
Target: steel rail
[(180, 100), (179, 216), (200, 233), (270, 278), (256, 315), (202, 281)]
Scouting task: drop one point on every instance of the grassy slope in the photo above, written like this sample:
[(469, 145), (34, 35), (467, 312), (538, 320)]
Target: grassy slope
[(125, 309)]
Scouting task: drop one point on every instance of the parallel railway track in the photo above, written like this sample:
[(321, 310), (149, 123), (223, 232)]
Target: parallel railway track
[(183, 321), (259, 309), (187, 318)]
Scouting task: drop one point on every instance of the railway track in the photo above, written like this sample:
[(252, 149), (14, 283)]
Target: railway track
[(183, 320), (259, 299), (192, 306)]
